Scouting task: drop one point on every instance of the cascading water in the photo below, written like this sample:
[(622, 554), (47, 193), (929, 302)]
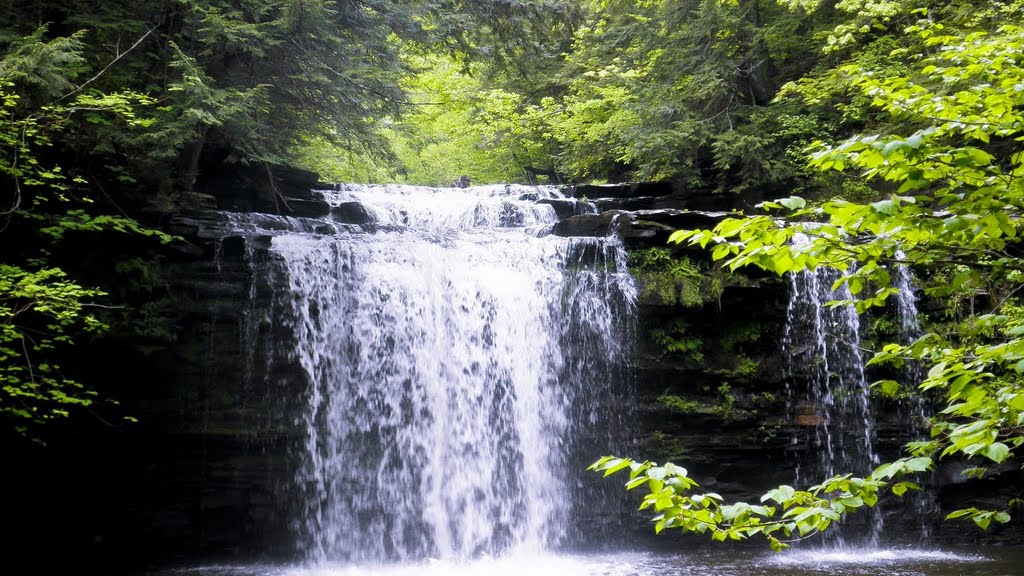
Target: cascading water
[(909, 330), (447, 352), (915, 407), (909, 325), (823, 346), (906, 300)]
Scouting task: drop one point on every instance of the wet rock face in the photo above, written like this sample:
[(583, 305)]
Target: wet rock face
[(201, 477), (568, 207), (270, 189), (586, 224), (638, 228), (200, 474), (351, 213)]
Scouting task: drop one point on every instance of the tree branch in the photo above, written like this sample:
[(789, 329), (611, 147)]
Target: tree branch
[(107, 67)]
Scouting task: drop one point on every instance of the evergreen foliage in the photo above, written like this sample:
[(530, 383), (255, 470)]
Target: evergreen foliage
[(108, 108)]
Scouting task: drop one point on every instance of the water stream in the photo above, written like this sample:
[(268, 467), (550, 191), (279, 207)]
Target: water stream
[(444, 401), (857, 562)]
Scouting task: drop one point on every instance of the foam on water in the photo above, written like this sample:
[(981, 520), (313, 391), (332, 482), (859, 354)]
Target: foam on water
[(893, 556), (513, 565), (427, 208)]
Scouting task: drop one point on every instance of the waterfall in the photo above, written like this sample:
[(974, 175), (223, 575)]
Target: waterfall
[(823, 347), (909, 327), (906, 300), (913, 373), (451, 349)]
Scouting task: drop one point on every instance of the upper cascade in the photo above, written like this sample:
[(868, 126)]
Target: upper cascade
[(428, 208)]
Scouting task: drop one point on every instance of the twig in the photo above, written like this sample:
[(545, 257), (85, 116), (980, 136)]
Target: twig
[(28, 361), (275, 190), (107, 67), (1007, 297)]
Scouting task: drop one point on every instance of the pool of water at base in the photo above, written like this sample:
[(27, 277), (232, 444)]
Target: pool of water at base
[(725, 562)]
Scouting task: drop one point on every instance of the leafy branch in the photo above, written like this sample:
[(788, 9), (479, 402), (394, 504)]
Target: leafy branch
[(783, 516)]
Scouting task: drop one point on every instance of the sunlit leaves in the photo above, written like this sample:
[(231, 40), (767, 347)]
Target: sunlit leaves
[(31, 389), (983, 518), (783, 514), (954, 198), (41, 309)]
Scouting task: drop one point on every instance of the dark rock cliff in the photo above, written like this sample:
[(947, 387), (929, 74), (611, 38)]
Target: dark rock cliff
[(205, 367)]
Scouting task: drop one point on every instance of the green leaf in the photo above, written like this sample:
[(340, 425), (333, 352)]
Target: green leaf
[(793, 202), (997, 452), (921, 464), (889, 388)]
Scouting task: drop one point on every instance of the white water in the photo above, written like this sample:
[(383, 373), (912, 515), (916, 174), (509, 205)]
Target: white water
[(450, 357), (917, 412), (823, 347)]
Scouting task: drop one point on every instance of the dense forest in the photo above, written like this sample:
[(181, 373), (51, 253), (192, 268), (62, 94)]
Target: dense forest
[(893, 125)]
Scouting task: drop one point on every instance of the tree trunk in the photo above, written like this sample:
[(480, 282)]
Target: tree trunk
[(756, 70), (188, 163)]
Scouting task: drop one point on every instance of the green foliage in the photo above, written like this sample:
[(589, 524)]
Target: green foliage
[(43, 68), (743, 368), (784, 514), (665, 279), (949, 161), (350, 163), (678, 341), (722, 407), (458, 126), (678, 90), (684, 406), (40, 311), (243, 81), (641, 90), (456, 123)]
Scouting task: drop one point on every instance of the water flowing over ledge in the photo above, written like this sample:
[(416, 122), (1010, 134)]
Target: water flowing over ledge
[(452, 355)]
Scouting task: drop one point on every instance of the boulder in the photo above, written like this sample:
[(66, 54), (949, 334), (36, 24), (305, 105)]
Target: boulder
[(351, 213), (587, 224), (566, 207)]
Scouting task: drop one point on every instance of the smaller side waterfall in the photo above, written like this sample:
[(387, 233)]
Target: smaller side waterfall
[(906, 300), (914, 408), (909, 324), (824, 349)]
